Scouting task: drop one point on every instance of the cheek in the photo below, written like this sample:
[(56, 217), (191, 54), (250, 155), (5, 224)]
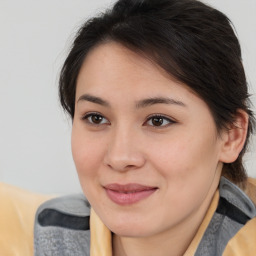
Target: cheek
[(87, 156), (86, 152), (188, 170), (186, 163)]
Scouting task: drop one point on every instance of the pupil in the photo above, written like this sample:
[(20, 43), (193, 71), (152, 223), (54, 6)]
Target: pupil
[(157, 121), (97, 119)]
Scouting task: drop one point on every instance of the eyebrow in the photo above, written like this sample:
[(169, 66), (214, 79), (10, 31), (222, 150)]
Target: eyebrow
[(93, 99), (140, 104), (158, 100)]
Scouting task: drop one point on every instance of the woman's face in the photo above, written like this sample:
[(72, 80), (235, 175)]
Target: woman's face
[(145, 147)]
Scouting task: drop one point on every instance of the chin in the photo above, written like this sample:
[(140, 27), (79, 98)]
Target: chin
[(131, 232), (131, 229)]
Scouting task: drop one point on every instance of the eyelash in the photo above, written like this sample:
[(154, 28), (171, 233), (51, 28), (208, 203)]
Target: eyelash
[(163, 117), (89, 115), (151, 117)]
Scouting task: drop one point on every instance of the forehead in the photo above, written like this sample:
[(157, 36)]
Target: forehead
[(114, 66), (113, 58)]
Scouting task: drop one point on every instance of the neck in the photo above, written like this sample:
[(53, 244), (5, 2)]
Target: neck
[(172, 242)]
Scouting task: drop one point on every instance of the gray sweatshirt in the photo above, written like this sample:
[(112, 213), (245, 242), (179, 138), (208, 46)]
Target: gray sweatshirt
[(62, 224)]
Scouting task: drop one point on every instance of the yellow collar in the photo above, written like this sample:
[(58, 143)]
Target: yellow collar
[(101, 238), (199, 235)]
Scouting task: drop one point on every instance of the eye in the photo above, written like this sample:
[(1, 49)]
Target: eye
[(95, 119), (159, 121)]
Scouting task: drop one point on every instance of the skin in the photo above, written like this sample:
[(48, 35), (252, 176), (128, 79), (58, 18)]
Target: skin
[(182, 157)]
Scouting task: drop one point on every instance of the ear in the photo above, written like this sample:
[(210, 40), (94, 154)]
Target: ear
[(234, 138)]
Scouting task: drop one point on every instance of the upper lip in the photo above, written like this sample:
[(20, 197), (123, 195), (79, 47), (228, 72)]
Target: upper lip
[(131, 187)]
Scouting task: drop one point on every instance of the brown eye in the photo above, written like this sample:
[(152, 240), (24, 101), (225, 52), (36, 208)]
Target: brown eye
[(95, 119), (157, 121)]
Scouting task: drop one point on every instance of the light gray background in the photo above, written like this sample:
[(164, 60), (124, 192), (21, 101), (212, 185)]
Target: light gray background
[(34, 133)]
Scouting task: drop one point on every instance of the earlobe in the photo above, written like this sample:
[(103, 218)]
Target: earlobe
[(234, 138)]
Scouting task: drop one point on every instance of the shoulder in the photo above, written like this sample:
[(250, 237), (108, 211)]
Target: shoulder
[(244, 242), (71, 212), (235, 214), (62, 226), (18, 208)]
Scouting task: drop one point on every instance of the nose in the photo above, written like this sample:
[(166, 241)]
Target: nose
[(124, 152)]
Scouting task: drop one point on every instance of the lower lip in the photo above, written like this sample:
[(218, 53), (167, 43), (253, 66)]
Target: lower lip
[(129, 198)]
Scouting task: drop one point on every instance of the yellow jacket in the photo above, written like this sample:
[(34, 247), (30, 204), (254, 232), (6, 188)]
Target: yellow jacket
[(244, 242), (17, 214)]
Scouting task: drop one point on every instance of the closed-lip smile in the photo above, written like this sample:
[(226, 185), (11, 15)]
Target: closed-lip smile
[(128, 193)]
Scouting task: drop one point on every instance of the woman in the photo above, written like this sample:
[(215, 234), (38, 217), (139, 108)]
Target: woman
[(158, 98)]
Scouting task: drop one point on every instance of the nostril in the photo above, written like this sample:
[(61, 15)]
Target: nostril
[(122, 168), (130, 166)]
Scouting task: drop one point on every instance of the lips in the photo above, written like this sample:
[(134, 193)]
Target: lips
[(128, 193)]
